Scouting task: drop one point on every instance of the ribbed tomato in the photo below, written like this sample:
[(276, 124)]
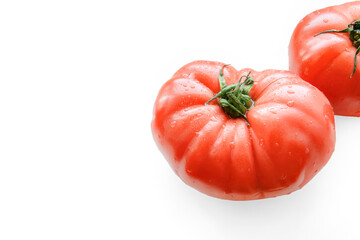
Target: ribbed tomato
[(324, 51), (263, 137)]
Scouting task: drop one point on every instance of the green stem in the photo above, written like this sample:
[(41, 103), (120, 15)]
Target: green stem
[(355, 61), (346, 30), (222, 93), (235, 99), (221, 77), (236, 102), (238, 87)]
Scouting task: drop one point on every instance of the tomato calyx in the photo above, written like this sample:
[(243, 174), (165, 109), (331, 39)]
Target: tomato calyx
[(235, 99), (354, 34)]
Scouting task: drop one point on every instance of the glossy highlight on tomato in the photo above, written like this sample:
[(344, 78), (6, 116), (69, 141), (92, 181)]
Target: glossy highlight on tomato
[(324, 52), (285, 137)]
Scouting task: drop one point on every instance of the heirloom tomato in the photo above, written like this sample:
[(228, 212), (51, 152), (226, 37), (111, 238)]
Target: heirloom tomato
[(324, 52), (242, 135)]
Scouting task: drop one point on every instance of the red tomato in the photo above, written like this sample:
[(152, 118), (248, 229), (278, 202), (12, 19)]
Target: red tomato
[(283, 140), (327, 60)]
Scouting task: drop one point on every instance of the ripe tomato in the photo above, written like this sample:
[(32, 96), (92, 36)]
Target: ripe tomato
[(284, 137), (323, 51)]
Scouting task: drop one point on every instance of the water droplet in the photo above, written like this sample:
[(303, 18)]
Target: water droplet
[(290, 103), (172, 124), (277, 144), (306, 71), (273, 111), (290, 92), (261, 142), (185, 75), (307, 150), (325, 21), (213, 118), (290, 154), (192, 86), (232, 144), (199, 114)]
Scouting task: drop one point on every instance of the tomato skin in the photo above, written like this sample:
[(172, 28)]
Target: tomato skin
[(327, 60), (289, 138)]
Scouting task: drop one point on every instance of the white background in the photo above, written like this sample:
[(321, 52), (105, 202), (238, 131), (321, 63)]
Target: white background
[(78, 80)]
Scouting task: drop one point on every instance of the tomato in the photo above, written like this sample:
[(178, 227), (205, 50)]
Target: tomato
[(284, 136), (324, 51)]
